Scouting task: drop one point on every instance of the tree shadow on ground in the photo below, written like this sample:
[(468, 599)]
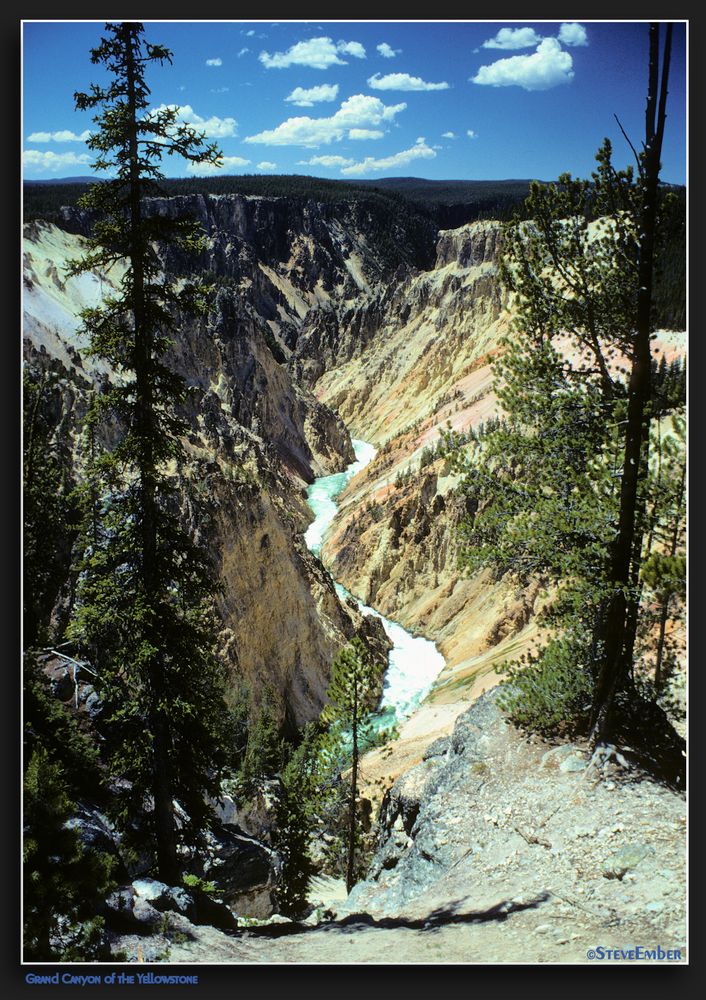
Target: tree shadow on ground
[(649, 741), (443, 915)]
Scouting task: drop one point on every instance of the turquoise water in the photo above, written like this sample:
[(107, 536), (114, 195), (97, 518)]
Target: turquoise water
[(323, 492), (415, 662)]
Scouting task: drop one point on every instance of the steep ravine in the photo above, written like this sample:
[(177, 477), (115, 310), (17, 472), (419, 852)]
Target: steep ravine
[(306, 297), (425, 366)]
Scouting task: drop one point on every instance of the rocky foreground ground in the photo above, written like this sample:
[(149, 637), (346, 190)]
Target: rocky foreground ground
[(495, 848)]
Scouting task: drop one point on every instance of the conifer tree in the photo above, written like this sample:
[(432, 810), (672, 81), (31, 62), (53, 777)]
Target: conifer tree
[(144, 607), (266, 750), (618, 633), (303, 791), (560, 489), (355, 678)]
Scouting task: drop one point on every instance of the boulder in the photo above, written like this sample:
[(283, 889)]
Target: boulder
[(244, 869), (127, 912), (192, 903), (625, 860)]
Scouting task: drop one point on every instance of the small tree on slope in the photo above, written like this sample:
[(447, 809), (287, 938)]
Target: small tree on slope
[(354, 678)]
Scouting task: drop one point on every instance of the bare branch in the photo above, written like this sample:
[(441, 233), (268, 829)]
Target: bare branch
[(662, 114), (627, 139)]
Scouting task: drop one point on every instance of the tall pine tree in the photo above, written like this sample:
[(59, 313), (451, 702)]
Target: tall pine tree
[(144, 610)]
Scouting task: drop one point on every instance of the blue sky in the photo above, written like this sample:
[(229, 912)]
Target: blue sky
[(470, 100)]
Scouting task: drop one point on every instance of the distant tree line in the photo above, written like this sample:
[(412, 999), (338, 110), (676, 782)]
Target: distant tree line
[(43, 200)]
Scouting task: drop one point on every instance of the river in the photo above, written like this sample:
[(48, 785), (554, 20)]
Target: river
[(415, 662)]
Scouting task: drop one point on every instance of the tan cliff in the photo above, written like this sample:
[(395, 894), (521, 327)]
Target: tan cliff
[(395, 543), (418, 348), (425, 366)]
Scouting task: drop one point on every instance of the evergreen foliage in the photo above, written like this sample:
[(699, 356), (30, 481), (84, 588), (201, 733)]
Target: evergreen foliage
[(549, 692), (48, 508), (266, 751), (560, 489), (304, 784), (668, 385), (63, 882), (144, 612), (355, 680)]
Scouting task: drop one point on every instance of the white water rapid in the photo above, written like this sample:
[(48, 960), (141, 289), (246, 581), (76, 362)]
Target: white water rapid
[(414, 662)]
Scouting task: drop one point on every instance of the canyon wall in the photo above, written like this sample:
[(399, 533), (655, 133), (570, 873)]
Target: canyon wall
[(327, 319), (256, 435)]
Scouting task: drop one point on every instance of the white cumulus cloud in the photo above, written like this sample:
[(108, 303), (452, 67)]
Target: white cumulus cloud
[(418, 151), (514, 38), (266, 165), (387, 51), (308, 98), (403, 81), (358, 112), (471, 134), (352, 49), (242, 51), (213, 127), (214, 62), (49, 162), (571, 33), (326, 161), (226, 163), (365, 133), (548, 67), (64, 135), (317, 53), (448, 135)]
